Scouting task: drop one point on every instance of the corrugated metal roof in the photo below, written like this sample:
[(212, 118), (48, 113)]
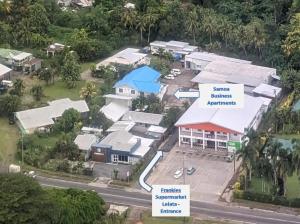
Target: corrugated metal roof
[(267, 90), (4, 70), (233, 119), (114, 111), (85, 141), (142, 117), (144, 79)]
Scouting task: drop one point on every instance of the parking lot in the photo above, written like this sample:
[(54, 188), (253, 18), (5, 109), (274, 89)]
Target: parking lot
[(182, 80), (206, 183)]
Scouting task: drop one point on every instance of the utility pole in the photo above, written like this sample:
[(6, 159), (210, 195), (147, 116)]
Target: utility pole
[(22, 147)]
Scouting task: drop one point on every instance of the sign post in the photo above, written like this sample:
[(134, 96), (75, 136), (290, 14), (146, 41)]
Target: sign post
[(233, 147)]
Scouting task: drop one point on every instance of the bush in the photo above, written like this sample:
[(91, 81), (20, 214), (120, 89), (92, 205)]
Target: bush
[(266, 198)]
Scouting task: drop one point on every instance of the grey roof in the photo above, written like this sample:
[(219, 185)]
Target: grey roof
[(267, 90), (121, 125), (4, 70), (231, 72), (43, 116), (142, 117), (85, 141), (119, 140), (209, 57)]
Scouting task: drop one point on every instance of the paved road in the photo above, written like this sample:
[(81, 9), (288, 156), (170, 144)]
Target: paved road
[(121, 196)]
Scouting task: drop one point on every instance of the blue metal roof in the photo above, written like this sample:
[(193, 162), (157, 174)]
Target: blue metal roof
[(144, 79)]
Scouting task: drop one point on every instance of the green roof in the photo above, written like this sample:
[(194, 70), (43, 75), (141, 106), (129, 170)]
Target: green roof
[(5, 53), (296, 106)]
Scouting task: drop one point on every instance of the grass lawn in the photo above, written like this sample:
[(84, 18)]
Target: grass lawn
[(59, 90), (292, 188), (87, 65), (47, 141), (9, 136)]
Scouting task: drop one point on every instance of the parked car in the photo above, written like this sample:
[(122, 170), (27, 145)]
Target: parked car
[(175, 71), (190, 170), (178, 173), (169, 77), (7, 83)]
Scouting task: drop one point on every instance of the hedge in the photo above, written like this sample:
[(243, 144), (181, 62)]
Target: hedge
[(265, 198)]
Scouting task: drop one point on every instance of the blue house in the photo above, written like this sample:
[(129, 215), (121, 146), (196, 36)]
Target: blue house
[(141, 81)]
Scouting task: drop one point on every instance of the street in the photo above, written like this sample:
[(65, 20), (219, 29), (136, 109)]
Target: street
[(120, 196)]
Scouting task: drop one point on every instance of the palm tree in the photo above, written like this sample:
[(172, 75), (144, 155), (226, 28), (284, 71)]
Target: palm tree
[(225, 29), (248, 153), (192, 23), (129, 17), (18, 87), (88, 91), (209, 24), (151, 19), (296, 155), (37, 92), (280, 160), (141, 25), (5, 7)]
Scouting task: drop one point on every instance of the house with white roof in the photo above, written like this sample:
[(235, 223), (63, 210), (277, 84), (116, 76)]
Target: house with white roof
[(216, 129), (176, 48), (84, 143), (199, 60), (129, 56), (5, 72), (266, 90), (121, 147), (44, 117), (236, 73)]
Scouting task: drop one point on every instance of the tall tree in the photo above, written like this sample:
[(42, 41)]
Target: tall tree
[(141, 25), (70, 70), (18, 87), (192, 23), (88, 91), (23, 201), (37, 92)]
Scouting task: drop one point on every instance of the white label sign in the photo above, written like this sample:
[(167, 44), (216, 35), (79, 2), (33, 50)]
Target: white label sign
[(216, 96), (171, 200)]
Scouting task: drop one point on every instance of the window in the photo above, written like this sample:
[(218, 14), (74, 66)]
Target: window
[(199, 130), (186, 129), (115, 158), (132, 91), (123, 158), (235, 134), (120, 90), (185, 140), (222, 144)]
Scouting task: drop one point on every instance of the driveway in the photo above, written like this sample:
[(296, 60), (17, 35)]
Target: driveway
[(183, 80), (206, 183)]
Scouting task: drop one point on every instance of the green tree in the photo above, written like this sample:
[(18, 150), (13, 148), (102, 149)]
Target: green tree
[(78, 206), (192, 23), (88, 91), (38, 18), (47, 75), (9, 104), (18, 87), (70, 70), (291, 45), (141, 25), (23, 201), (151, 18), (171, 117), (68, 121), (37, 92)]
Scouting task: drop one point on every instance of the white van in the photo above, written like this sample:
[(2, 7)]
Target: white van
[(175, 71), (7, 83)]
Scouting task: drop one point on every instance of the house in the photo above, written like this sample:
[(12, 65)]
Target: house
[(121, 126), (129, 56), (177, 48), (44, 117), (5, 72), (116, 106), (237, 73), (121, 147), (141, 81), (84, 143), (18, 60), (217, 129), (199, 60), (142, 118), (76, 3), (54, 48)]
